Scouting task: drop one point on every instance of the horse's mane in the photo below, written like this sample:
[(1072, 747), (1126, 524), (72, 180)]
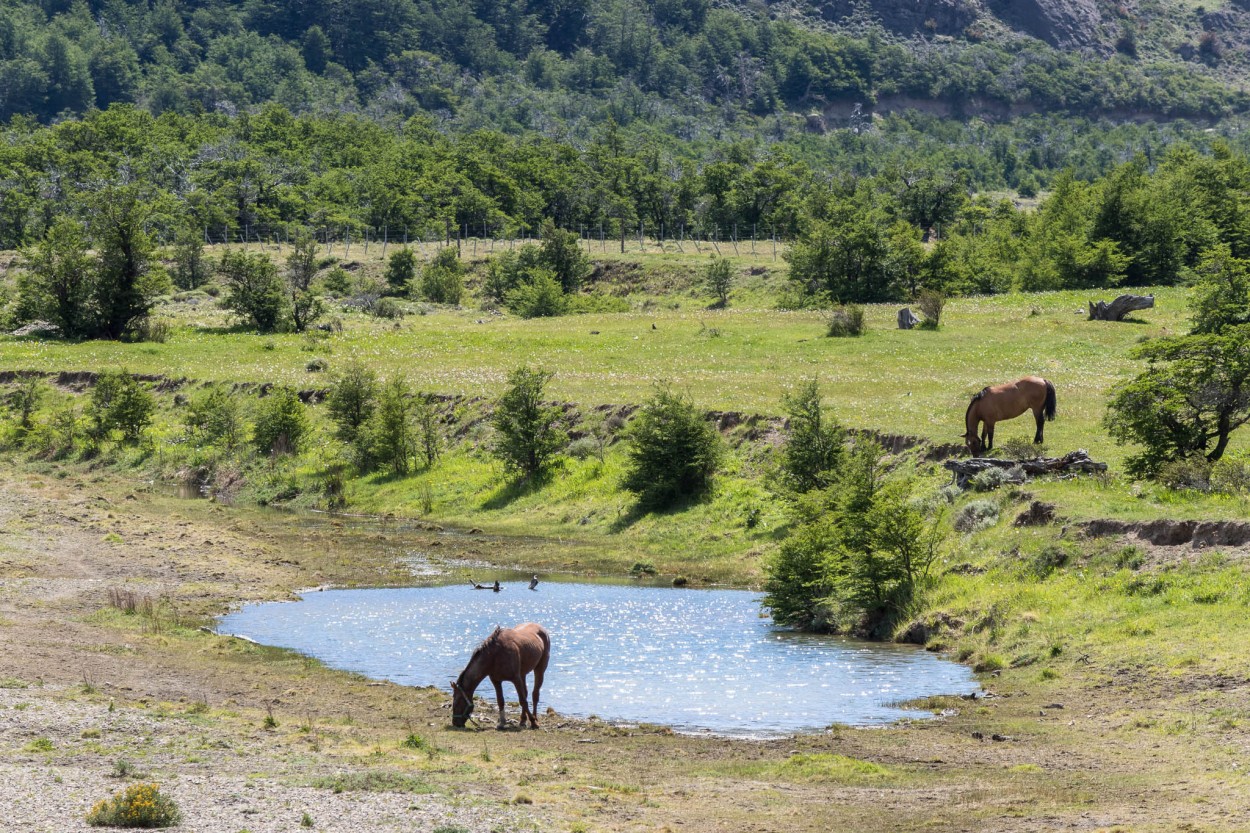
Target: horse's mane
[(975, 398), (487, 643)]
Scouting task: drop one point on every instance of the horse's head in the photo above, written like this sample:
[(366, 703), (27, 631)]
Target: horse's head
[(461, 705), (973, 442)]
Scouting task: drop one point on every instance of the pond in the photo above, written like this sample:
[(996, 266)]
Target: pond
[(695, 660)]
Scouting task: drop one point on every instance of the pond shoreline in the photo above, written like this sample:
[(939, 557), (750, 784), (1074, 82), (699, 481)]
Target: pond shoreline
[(205, 714)]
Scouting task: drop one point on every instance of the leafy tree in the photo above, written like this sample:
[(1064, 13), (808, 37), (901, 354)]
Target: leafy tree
[(23, 401), (120, 403), (57, 283), (813, 447), (126, 283), (191, 268), (1221, 296), (280, 425), (673, 451), (301, 271), (429, 438), (215, 418), (390, 431), (1188, 402), (254, 292), (718, 279), (853, 257), (442, 279), (528, 436), (562, 253), (401, 268), (352, 400)]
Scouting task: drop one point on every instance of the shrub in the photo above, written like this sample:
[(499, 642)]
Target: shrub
[(528, 436), (389, 432), (191, 268), (978, 514), (508, 270), (281, 426), (119, 402), (846, 321), (539, 296), (673, 451), (1050, 558), (23, 400), (254, 290), (642, 568), (387, 308), (401, 269), (139, 805), (442, 279), (988, 480), (214, 417), (562, 253), (813, 448), (584, 448), (151, 329), (352, 400), (1231, 475), (338, 281), (718, 280), (1018, 448), (931, 303), (1192, 472)]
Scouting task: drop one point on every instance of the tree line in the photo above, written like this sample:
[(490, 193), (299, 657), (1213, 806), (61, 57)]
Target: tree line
[(524, 63)]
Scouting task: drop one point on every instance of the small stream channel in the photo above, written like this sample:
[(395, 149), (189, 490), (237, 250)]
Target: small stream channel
[(699, 660)]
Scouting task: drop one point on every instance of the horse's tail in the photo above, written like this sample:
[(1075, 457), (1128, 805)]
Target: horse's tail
[(1049, 407)]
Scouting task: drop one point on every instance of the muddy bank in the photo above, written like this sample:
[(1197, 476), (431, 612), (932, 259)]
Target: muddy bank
[(1165, 533)]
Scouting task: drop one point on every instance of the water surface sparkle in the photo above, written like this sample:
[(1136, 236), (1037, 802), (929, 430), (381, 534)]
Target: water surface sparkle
[(696, 660)]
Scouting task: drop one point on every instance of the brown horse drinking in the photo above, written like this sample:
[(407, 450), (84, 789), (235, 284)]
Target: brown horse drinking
[(1008, 401), (505, 656)]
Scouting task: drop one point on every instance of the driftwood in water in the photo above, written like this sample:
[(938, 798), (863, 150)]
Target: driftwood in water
[(1074, 461), (1120, 307), (907, 319)]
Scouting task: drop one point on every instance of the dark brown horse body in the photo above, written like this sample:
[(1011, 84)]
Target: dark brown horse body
[(1007, 401), (506, 656)]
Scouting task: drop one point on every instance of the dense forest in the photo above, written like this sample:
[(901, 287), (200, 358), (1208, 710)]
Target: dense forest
[(546, 65)]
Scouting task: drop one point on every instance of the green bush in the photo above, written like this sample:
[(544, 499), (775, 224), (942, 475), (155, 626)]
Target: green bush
[(539, 296), (280, 425), (390, 433), (528, 436), (718, 280), (401, 269), (352, 400), (254, 291), (813, 447), (120, 403), (139, 805), (846, 321), (442, 279), (975, 515), (561, 252), (673, 451), (214, 418)]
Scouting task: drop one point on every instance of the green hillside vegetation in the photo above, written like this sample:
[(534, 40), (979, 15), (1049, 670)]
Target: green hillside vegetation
[(521, 64)]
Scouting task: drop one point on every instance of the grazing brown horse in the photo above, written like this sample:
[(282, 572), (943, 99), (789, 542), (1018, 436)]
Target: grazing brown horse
[(505, 656), (1008, 401)]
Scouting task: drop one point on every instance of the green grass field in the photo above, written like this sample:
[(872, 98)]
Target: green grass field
[(741, 359)]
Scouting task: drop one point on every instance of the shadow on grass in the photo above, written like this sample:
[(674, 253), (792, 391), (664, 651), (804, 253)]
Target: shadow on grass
[(639, 510), (516, 489)]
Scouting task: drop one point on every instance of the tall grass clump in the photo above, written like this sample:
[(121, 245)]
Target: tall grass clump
[(846, 320)]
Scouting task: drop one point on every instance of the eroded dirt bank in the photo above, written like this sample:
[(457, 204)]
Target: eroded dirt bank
[(189, 709)]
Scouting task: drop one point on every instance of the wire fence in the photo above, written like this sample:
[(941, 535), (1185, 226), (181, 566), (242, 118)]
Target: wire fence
[(470, 242)]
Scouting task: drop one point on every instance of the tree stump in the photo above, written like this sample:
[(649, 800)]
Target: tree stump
[(907, 319), (1120, 307)]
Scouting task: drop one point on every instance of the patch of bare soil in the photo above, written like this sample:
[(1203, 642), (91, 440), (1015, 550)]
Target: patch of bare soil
[(249, 737)]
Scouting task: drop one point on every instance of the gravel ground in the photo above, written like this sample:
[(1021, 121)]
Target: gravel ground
[(222, 784)]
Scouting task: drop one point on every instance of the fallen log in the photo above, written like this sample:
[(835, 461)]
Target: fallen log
[(1120, 307), (1073, 462)]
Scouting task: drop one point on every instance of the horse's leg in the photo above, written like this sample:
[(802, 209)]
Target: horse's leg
[(499, 698), (989, 436), (538, 685), (522, 695), (1040, 416)]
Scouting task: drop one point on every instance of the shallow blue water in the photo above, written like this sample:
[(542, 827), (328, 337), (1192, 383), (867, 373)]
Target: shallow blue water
[(696, 660)]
